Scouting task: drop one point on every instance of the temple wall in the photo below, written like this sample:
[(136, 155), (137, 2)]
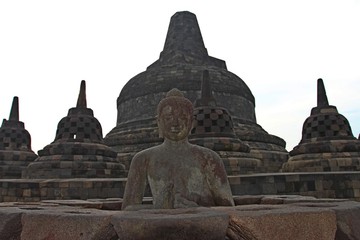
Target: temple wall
[(40, 189), (320, 185)]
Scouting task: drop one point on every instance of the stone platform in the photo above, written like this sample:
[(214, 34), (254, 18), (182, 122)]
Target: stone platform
[(254, 217)]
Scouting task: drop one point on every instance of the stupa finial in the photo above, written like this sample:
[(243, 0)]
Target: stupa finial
[(322, 100), (184, 34), (14, 112), (205, 86), (184, 44), (207, 98), (81, 102)]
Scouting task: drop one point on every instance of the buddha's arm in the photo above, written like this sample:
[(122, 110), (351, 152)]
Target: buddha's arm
[(219, 183), (136, 182)]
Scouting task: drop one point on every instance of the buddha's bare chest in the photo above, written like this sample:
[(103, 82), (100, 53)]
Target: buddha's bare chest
[(179, 172)]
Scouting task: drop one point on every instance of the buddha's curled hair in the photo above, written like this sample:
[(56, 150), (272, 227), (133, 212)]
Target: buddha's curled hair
[(175, 98)]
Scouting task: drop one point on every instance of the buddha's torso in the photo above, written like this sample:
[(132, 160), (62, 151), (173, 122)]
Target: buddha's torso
[(177, 176)]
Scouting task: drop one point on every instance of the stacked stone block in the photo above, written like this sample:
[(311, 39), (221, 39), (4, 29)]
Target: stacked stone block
[(339, 185), (181, 65), (32, 190), (327, 142), (78, 150), (213, 128), (15, 145)]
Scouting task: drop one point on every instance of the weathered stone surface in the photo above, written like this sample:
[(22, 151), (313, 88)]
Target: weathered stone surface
[(10, 224), (78, 150), (327, 142), (194, 223), (247, 199), (302, 218), (279, 222), (180, 174), (15, 145), (66, 223), (103, 204), (341, 185), (213, 128), (348, 221), (318, 184), (181, 65)]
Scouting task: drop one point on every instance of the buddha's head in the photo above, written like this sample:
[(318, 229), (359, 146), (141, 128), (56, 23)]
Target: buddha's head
[(174, 116)]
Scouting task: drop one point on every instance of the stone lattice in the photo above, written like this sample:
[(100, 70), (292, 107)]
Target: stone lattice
[(78, 150), (327, 142), (213, 128), (15, 145), (326, 126)]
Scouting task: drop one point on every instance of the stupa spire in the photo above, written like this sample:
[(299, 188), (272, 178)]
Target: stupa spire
[(184, 35), (184, 44), (81, 102), (79, 140), (207, 98), (322, 100), (325, 133), (15, 145), (14, 112)]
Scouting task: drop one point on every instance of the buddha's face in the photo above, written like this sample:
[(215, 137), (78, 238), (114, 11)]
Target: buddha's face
[(175, 123)]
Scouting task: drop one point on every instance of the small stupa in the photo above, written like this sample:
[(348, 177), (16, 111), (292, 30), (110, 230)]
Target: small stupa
[(78, 150), (327, 143), (213, 128), (15, 145)]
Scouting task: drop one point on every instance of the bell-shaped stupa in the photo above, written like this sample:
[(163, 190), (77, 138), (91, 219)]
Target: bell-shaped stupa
[(327, 142), (213, 128), (181, 64), (15, 145), (78, 150)]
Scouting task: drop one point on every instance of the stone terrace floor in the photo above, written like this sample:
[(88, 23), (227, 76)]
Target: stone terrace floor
[(253, 217)]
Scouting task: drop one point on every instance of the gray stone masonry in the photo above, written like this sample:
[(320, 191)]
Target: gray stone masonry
[(327, 142), (15, 145), (78, 150), (341, 185), (181, 65), (253, 217)]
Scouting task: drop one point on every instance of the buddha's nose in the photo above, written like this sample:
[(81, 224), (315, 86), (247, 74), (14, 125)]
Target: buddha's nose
[(176, 121)]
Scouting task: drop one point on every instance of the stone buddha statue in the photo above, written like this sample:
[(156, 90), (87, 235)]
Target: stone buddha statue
[(179, 174)]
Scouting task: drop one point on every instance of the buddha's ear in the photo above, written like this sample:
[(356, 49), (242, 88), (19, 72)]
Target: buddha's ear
[(193, 122), (160, 133)]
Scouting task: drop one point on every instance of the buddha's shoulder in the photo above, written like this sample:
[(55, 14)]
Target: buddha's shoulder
[(148, 152)]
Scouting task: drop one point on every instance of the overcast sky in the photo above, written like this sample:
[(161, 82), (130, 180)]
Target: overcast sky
[(279, 48)]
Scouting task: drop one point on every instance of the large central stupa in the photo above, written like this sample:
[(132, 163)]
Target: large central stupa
[(181, 65)]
